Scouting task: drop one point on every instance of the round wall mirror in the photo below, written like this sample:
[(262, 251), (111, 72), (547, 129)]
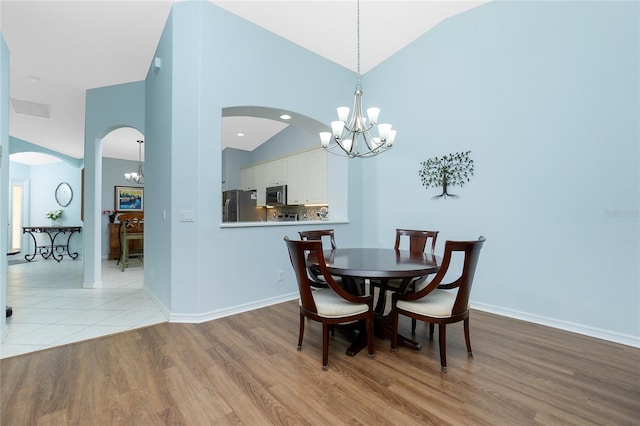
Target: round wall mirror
[(64, 194)]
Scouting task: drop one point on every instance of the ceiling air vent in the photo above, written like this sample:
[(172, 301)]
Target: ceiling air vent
[(30, 108)]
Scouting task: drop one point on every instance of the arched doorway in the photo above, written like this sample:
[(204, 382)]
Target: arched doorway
[(122, 156)]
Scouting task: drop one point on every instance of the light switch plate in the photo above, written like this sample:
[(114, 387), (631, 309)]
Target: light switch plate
[(187, 216)]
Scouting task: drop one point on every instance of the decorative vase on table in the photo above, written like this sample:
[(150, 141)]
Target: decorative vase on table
[(53, 216), (112, 218)]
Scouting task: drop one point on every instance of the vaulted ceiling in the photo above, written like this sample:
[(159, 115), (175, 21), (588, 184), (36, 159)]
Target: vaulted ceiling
[(59, 49)]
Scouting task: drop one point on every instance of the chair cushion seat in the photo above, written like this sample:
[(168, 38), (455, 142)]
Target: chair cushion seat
[(437, 304), (330, 305)]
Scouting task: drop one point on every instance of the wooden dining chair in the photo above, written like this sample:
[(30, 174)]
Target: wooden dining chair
[(329, 306), (415, 241), (323, 235), (418, 240), (131, 230), (438, 303)]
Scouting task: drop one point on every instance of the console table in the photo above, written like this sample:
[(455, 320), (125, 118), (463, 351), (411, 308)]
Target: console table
[(51, 248)]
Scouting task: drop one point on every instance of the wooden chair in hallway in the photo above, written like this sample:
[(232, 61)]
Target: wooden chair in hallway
[(131, 230)]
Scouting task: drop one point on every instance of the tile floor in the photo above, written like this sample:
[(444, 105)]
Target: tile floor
[(50, 307)]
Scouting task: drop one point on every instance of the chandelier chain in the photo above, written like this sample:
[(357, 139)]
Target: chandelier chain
[(137, 177), (358, 39)]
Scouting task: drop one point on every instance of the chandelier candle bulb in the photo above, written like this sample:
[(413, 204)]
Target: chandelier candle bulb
[(391, 138), (373, 114), (325, 138), (337, 127), (384, 129), (343, 114)]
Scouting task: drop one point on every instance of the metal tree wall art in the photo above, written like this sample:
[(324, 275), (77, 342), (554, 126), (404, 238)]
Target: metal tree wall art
[(449, 170)]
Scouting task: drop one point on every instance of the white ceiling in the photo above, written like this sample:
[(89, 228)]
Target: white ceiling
[(58, 49)]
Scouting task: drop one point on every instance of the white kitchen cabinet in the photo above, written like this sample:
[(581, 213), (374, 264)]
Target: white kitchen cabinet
[(248, 178), (317, 176), (304, 174), (296, 180), (267, 174), (307, 178), (276, 172)]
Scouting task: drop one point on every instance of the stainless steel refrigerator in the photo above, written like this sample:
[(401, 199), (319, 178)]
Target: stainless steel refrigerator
[(241, 206)]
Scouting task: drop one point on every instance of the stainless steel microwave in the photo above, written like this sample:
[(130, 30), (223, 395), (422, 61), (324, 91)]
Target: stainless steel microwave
[(277, 195)]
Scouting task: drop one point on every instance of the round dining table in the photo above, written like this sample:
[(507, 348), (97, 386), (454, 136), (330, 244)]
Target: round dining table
[(379, 265)]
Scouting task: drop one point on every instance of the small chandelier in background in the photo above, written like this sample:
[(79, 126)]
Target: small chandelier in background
[(352, 134), (137, 177)]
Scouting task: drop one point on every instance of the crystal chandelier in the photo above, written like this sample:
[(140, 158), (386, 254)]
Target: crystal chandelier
[(137, 177), (352, 134)]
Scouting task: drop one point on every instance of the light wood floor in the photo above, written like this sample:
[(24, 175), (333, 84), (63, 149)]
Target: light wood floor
[(245, 369)]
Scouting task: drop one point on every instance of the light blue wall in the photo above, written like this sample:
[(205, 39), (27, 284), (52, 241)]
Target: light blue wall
[(545, 95), (289, 141), (19, 171), (107, 108), (233, 160), (42, 183), (45, 179), (158, 171), (210, 60), (4, 174), (18, 145)]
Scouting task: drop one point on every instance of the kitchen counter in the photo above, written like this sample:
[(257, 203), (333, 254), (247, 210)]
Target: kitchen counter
[(271, 223)]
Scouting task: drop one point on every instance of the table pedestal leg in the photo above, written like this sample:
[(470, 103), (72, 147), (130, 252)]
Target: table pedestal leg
[(360, 342), (382, 329)]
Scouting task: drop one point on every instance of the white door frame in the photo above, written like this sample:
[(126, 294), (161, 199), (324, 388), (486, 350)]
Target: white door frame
[(24, 185)]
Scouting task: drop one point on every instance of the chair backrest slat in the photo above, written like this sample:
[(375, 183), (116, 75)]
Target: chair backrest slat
[(471, 251), (317, 234), (298, 251), (133, 222), (417, 239)]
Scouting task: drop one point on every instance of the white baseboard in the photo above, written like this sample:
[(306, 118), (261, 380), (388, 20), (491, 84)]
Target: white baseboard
[(598, 333), (163, 308), (95, 284), (221, 313)]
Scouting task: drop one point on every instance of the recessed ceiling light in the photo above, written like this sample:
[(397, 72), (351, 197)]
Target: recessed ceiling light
[(285, 117), (33, 79), (240, 134)]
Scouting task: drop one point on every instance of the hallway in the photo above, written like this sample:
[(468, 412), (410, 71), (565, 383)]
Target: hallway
[(50, 307)]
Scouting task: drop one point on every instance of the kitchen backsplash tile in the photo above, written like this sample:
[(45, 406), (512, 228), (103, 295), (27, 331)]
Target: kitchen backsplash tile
[(304, 213)]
